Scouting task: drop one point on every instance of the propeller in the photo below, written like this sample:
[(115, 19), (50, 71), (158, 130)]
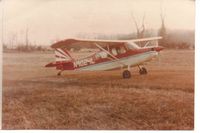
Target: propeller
[(159, 56)]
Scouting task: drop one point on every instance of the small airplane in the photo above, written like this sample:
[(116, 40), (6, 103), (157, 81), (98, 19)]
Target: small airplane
[(111, 54)]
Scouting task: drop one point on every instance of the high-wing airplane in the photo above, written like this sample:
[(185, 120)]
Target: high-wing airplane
[(112, 54)]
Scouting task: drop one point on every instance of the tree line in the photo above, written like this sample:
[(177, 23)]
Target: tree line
[(171, 39)]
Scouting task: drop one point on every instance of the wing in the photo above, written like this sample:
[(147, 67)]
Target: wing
[(68, 42)]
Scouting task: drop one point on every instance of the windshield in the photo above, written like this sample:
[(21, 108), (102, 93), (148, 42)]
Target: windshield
[(132, 45)]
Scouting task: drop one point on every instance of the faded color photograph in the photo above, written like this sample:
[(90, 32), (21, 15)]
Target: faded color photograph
[(98, 64)]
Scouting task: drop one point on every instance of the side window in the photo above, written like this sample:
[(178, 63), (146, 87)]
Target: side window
[(122, 50), (118, 50), (114, 51), (97, 56), (101, 54), (132, 46)]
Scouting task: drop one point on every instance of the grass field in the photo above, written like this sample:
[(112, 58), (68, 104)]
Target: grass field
[(35, 98)]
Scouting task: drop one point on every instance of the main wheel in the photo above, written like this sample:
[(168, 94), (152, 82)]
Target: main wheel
[(143, 71), (126, 74)]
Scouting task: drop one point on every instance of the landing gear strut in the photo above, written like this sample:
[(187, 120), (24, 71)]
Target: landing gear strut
[(59, 73), (142, 71), (126, 74)]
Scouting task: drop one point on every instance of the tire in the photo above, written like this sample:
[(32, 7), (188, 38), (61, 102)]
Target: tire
[(126, 74), (143, 71), (59, 74)]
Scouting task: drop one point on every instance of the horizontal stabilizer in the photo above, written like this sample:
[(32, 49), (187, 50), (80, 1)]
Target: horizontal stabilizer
[(52, 64)]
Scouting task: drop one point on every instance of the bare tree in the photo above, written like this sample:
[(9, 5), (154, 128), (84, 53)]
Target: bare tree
[(13, 39), (162, 31), (26, 38), (140, 29)]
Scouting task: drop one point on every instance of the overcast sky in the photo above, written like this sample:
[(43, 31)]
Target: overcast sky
[(50, 20)]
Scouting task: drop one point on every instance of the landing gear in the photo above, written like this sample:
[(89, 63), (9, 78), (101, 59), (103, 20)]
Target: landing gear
[(59, 73), (126, 74), (142, 71)]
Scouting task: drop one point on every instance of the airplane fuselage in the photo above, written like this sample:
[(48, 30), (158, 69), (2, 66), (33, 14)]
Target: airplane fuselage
[(121, 57)]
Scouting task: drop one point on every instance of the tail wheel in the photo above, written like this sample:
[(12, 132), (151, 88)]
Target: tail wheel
[(59, 73), (143, 71), (126, 74)]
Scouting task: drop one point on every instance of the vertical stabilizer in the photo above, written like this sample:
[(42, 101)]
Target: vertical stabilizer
[(62, 55)]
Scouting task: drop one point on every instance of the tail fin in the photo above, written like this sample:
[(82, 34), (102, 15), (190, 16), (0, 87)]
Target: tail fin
[(62, 55), (51, 64)]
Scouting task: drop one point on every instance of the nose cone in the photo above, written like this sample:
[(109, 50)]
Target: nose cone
[(159, 48)]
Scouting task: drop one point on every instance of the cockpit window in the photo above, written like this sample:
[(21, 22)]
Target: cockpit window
[(132, 45), (97, 56), (101, 54), (122, 50), (118, 50), (114, 51)]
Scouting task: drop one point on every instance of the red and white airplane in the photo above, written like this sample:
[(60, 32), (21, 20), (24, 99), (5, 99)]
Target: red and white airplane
[(112, 54)]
